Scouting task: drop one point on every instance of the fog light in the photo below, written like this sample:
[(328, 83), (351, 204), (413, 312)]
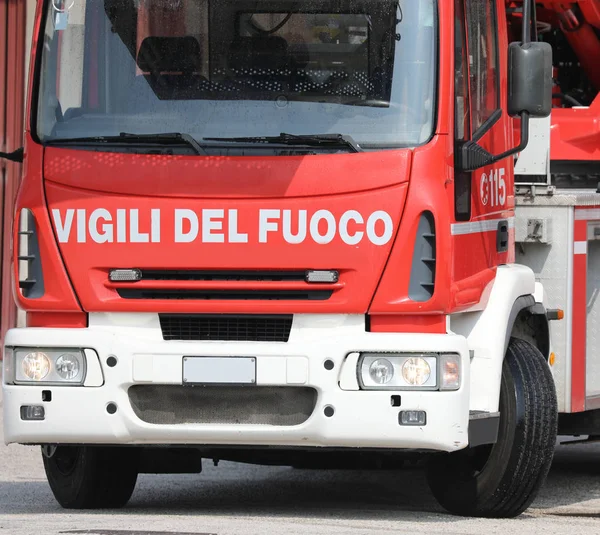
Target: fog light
[(416, 371), (67, 366), (450, 372), (32, 412), (412, 418), (36, 366)]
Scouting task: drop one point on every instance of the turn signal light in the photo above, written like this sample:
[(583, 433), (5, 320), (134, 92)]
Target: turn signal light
[(124, 275), (450, 371), (555, 314), (323, 276)]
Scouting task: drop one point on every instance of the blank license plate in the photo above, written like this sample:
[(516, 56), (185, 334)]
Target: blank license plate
[(219, 370)]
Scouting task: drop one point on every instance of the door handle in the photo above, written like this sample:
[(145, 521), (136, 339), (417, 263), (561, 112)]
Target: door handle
[(502, 236)]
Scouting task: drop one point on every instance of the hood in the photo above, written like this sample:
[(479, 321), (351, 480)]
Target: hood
[(225, 234)]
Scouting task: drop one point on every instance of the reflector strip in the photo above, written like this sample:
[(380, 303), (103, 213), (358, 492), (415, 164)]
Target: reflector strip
[(580, 247), (476, 227)]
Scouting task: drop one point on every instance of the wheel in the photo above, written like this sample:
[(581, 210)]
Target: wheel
[(501, 480), (90, 477)]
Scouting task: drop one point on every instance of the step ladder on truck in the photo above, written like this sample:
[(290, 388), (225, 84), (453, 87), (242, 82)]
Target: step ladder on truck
[(272, 232)]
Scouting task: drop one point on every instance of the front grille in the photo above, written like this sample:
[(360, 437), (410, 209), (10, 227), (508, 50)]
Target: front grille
[(226, 328), (223, 285), (257, 405), (226, 295), (222, 275)]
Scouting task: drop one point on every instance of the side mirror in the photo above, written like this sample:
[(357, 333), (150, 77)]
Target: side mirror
[(530, 79), (529, 93)]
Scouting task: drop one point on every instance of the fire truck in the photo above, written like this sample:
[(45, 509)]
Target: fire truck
[(269, 231)]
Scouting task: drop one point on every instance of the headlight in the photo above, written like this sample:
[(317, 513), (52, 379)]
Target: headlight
[(49, 366), (35, 366), (416, 371), (409, 371), (381, 371), (68, 367)]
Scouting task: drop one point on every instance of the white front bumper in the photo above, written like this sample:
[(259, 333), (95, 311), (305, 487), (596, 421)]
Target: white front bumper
[(361, 419)]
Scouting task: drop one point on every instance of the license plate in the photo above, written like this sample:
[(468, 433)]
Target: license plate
[(219, 370)]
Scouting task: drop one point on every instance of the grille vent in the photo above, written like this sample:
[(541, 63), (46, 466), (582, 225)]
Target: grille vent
[(31, 280), (226, 328), (224, 286), (222, 275), (256, 405), (226, 295), (422, 275)]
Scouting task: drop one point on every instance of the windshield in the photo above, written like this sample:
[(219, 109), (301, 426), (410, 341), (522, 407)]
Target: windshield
[(239, 68)]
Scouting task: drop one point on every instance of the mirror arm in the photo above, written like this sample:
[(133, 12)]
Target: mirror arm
[(14, 156), (526, 31), (473, 156), (524, 140), (525, 38)]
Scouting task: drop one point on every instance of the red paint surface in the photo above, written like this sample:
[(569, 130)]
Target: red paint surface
[(220, 177), (12, 83), (575, 133), (435, 324), (57, 320), (58, 292), (373, 278), (579, 322), (360, 266)]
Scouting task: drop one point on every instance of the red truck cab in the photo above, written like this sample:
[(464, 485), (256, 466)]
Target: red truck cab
[(276, 224)]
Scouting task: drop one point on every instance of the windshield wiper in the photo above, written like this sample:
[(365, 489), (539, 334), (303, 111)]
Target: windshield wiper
[(310, 140), (165, 138)]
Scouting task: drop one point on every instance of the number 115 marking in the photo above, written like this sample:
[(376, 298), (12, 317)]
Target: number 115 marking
[(492, 188)]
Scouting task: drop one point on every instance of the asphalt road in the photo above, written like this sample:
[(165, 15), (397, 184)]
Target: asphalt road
[(236, 499)]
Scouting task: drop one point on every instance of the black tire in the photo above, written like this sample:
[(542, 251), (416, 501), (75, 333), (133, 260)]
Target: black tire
[(501, 480), (90, 477)]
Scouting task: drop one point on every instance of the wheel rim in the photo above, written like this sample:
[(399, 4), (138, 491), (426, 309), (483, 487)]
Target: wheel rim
[(63, 457)]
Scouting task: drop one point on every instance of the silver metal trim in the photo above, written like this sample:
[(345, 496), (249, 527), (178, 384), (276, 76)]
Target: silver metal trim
[(587, 214), (591, 403), (482, 415), (219, 370), (476, 227)]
